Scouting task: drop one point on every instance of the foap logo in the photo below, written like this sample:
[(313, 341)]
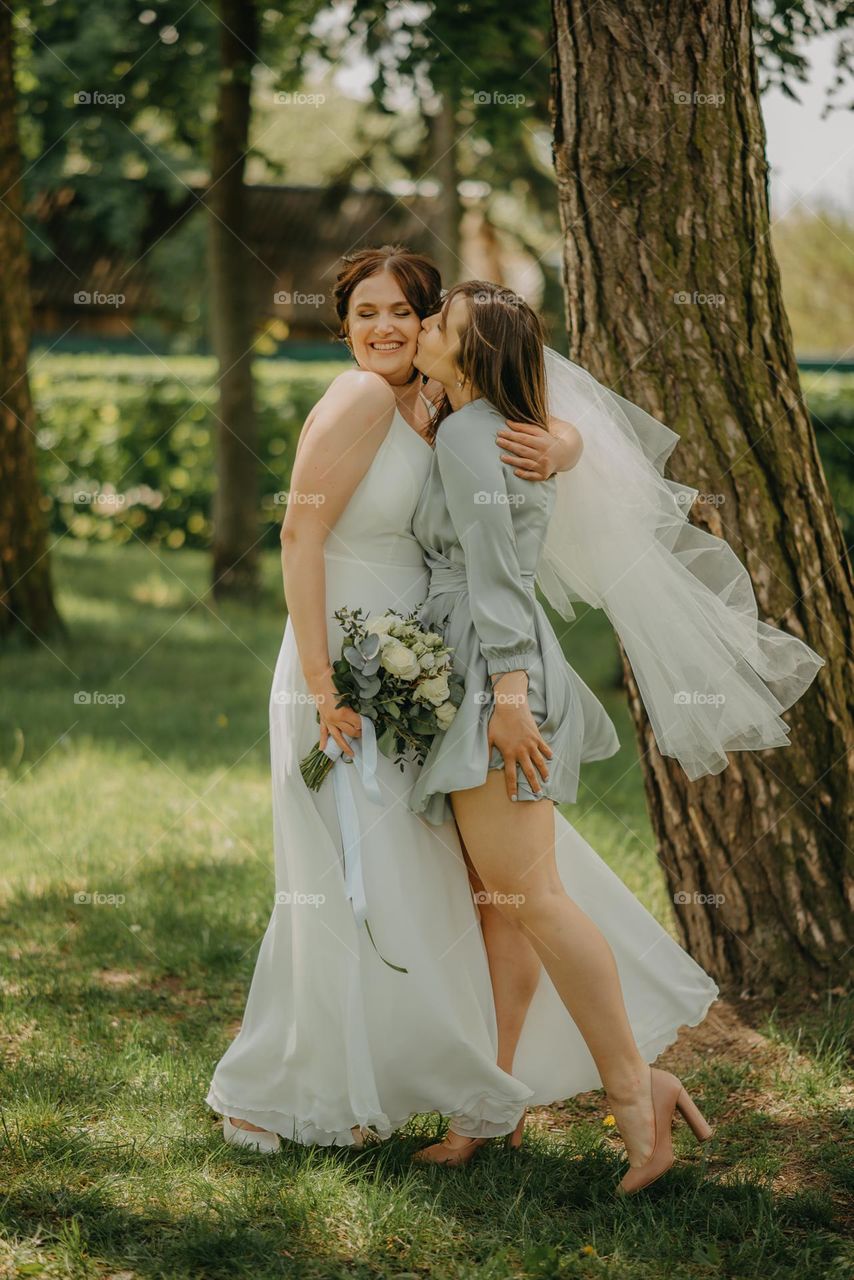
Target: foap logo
[(504, 296), (95, 98), (85, 299), (83, 898), (484, 499), (286, 899), (697, 99), (287, 497), (287, 99), (698, 697), (283, 298), (711, 499), (684, 899), (102, 501), (484, 898), (511, 699), (489, 98), (95, 698), (696, 299), (294, 698)]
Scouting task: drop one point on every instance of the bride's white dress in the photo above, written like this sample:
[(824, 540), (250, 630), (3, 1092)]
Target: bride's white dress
[(333, 1037)]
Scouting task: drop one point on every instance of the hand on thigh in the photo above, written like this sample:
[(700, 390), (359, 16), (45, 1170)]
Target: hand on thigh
[(511, 846)]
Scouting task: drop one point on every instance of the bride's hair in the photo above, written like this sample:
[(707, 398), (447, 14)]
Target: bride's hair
[(417, 275), (501, 352)]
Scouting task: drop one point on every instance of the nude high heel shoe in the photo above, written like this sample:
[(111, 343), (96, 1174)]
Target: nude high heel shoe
[(263, 1141), (444, 1154), (668, 1096)]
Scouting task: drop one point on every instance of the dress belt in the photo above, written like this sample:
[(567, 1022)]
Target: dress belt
[(452, 577)]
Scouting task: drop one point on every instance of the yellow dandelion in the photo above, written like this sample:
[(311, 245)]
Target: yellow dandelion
[(222, 720), (609, 1120), (588, 1249)]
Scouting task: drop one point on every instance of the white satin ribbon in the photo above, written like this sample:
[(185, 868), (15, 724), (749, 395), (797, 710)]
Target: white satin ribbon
[(364, 751)]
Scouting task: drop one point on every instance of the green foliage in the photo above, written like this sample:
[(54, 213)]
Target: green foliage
[(815, 251), (124, 90), (126, 444), (143, 428), (831, 401), (782, 30)]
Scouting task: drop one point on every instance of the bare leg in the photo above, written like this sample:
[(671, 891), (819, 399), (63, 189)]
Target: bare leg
[(512, 849), (514, 968)]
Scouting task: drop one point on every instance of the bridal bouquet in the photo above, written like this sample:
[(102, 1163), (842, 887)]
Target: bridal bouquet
[(399, 676)]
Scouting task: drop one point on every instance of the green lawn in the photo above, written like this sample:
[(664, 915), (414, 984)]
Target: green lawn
[(114, 1012)]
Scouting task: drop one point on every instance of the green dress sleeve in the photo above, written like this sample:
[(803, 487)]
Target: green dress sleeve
[(475, 487)]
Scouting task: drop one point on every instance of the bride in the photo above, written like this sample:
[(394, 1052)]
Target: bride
[(334, 1040)]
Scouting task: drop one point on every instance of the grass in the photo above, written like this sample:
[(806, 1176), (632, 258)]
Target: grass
[(115, 1011)]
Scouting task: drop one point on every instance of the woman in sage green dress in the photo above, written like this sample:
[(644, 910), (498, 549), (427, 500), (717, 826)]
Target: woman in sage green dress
[(527, 721)]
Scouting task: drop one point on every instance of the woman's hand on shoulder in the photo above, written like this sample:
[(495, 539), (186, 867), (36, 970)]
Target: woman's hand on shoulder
[(536, 454)]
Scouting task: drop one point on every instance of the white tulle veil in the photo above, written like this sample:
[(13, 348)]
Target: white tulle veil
[(713, 677)]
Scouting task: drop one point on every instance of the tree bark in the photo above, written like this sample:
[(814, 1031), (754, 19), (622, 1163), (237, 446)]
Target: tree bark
[(444, 168), (673, 299), (27, 609), (231, 263)]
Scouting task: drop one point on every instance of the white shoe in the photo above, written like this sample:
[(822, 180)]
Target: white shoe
[(237, 1137)]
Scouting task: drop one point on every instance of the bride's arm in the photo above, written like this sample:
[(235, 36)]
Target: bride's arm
[(335, 450), (533, 452), (536, 454)]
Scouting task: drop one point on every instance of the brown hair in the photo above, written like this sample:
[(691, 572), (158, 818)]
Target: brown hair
[(417, 275), (501, 352)]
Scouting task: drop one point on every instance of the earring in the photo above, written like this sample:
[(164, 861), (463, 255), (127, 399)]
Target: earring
[(461, 382)]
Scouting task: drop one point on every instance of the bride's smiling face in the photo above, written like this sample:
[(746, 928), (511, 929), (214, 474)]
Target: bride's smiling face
[(439, 342), (382, 327)]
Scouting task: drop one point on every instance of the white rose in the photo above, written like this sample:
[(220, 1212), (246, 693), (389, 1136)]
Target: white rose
[(445, 714), (378, 626), (398, 660), (433, 637), (428, 661), (435, 690)]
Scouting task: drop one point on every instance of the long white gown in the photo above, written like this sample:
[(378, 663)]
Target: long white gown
[(332, 1036)]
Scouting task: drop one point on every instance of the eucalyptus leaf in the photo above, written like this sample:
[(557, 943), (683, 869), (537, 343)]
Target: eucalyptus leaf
[(423, 726), (370, 646), (351, 653)]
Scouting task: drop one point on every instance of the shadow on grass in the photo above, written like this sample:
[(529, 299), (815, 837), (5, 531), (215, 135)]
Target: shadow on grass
[(539, 1211)]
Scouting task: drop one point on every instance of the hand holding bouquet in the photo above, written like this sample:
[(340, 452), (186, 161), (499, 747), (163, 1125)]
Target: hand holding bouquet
[(399, 676)]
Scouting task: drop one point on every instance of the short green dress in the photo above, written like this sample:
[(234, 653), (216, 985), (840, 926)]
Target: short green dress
[(482, 529)]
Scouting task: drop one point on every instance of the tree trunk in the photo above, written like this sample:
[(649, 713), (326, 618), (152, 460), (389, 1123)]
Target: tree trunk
[(27, 609), (673, 299), (231, 263), (446, 231)]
